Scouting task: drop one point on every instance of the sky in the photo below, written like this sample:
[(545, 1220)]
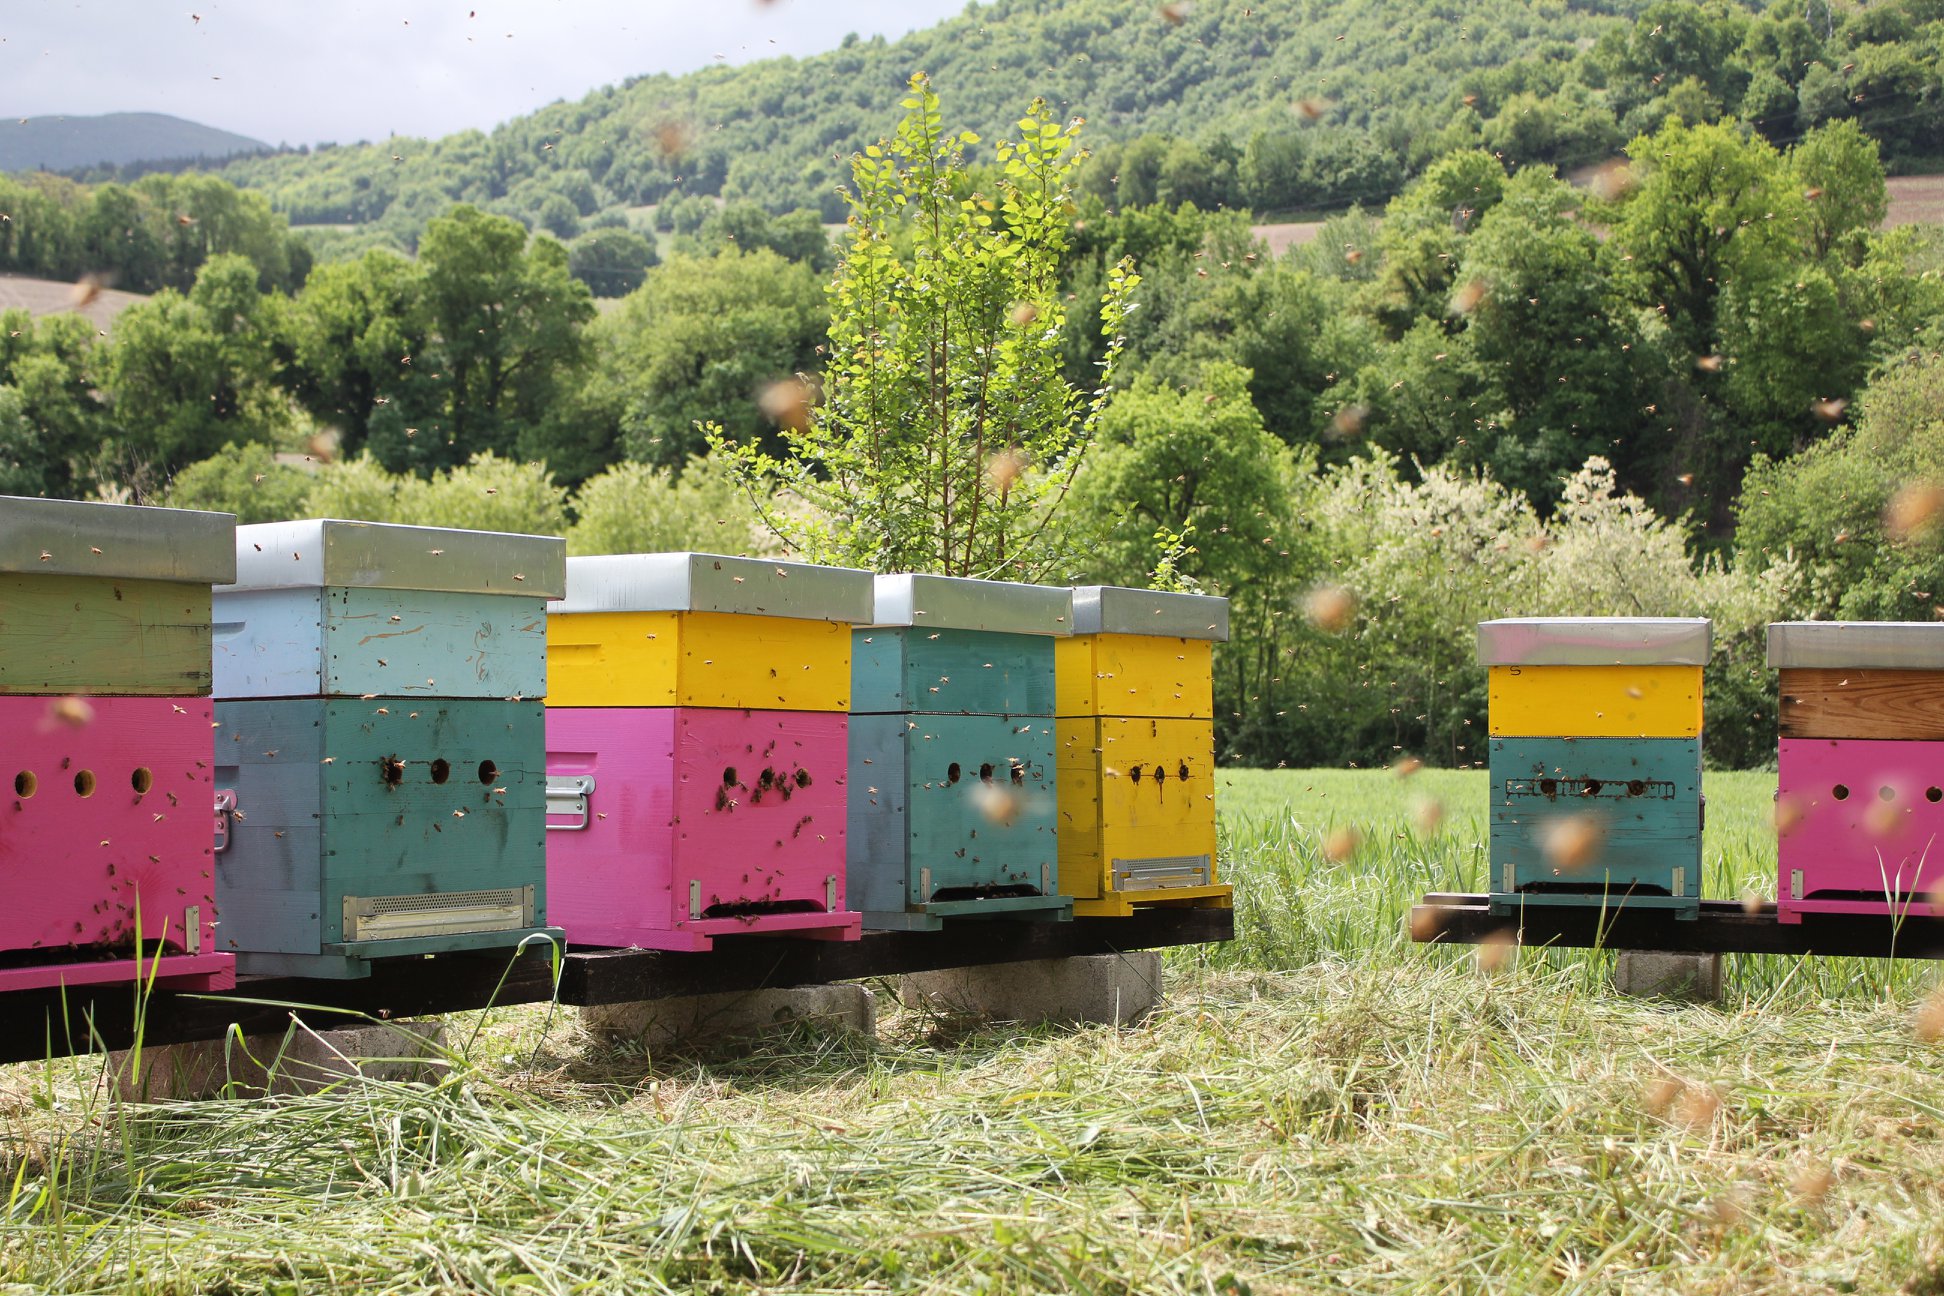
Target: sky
[(310, 71)]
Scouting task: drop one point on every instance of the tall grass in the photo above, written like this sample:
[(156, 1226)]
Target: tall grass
[(1319, 1106)]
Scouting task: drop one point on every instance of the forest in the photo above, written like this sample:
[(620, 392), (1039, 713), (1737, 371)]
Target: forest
[(1697, 377)]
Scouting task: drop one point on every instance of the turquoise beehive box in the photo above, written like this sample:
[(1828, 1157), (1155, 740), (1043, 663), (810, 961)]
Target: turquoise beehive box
[(1595, 761), (381, 743), (953, 810)]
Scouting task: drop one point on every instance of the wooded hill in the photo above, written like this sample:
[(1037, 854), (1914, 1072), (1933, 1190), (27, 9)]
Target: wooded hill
[(1276, 106)]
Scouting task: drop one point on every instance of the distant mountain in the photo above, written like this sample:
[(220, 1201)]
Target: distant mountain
[(68, 143)]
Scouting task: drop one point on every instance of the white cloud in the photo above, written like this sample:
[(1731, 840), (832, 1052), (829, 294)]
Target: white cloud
[(306, 71)]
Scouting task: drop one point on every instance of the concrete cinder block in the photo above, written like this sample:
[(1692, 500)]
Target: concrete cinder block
[(704, 1019), (301, 1061), (1656, 973), (1113, 988)]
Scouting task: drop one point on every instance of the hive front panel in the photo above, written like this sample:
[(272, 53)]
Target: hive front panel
[(953, 817), (670, 827), (371, 828)]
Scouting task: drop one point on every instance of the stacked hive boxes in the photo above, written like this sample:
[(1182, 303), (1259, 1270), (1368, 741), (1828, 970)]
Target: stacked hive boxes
[(381, 787), (104, 832), (1596, 760), (1136, 735), (697, 738), (952, 788), (1860, 805)]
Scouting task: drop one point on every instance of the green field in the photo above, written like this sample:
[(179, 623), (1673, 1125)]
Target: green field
[(1319, 1106)]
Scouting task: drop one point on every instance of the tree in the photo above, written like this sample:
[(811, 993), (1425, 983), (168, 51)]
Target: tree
[(190, 374), (697, 343), (639, 508), (947, 437), (507, 339), (245, 480), (612, 261)]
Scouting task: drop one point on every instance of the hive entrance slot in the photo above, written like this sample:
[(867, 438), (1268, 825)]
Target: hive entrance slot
[(982, 892), (759, 908)]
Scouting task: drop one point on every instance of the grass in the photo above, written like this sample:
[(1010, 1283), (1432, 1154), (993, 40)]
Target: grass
[(1319, 1106)]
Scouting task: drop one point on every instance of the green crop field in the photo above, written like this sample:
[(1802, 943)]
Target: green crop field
[(1319, 1106)]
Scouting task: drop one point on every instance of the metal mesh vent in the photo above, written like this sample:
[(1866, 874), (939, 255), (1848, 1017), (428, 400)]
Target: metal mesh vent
[(446, 913), (1162, 871)]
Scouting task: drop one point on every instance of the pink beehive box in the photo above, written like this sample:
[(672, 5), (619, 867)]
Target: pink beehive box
[(669, 827), (1861, 825), (108, 809)]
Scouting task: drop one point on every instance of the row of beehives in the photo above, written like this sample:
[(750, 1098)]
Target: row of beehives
[(421, 741), (1596, 727)]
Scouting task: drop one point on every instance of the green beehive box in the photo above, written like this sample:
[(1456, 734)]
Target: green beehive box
[(108, 599), (357, 829)]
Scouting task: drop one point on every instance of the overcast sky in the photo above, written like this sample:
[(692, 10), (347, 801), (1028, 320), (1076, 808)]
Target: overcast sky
[(305, 71)]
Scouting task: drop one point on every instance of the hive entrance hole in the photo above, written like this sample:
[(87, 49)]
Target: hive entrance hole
[(392, 770), (441, 770), (26, 784), (84, 783), (142, 780), (488, 771)]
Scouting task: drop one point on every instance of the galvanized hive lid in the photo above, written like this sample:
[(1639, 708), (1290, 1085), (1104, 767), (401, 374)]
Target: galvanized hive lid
[(1113, 609), (962, 603), (72, 538), (379, 555), (1857, 645), (701, 582), (1595, 641)]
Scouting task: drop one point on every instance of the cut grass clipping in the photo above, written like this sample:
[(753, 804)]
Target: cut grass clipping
[(1320, 1105)]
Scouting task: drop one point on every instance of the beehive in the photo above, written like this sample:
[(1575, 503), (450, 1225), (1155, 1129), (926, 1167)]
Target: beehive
[(697, 749), (1136, 737), (104, 825), (381, 776), (1860, 795), (1595, 757), (953, 781)]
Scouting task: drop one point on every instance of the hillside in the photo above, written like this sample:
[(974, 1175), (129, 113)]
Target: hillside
[(1370, 76), (118, 139)]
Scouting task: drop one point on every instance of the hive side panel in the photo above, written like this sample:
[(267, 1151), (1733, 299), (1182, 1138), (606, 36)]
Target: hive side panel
[(1147, 675), (1077, 760), (1860, 818), (269, 643), (269, 754), (608, 879), (1593, 814), (877, 842)]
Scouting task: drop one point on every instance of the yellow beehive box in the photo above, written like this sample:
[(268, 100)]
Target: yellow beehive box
[(704, 630), (1137, 813), (1595, 677)]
